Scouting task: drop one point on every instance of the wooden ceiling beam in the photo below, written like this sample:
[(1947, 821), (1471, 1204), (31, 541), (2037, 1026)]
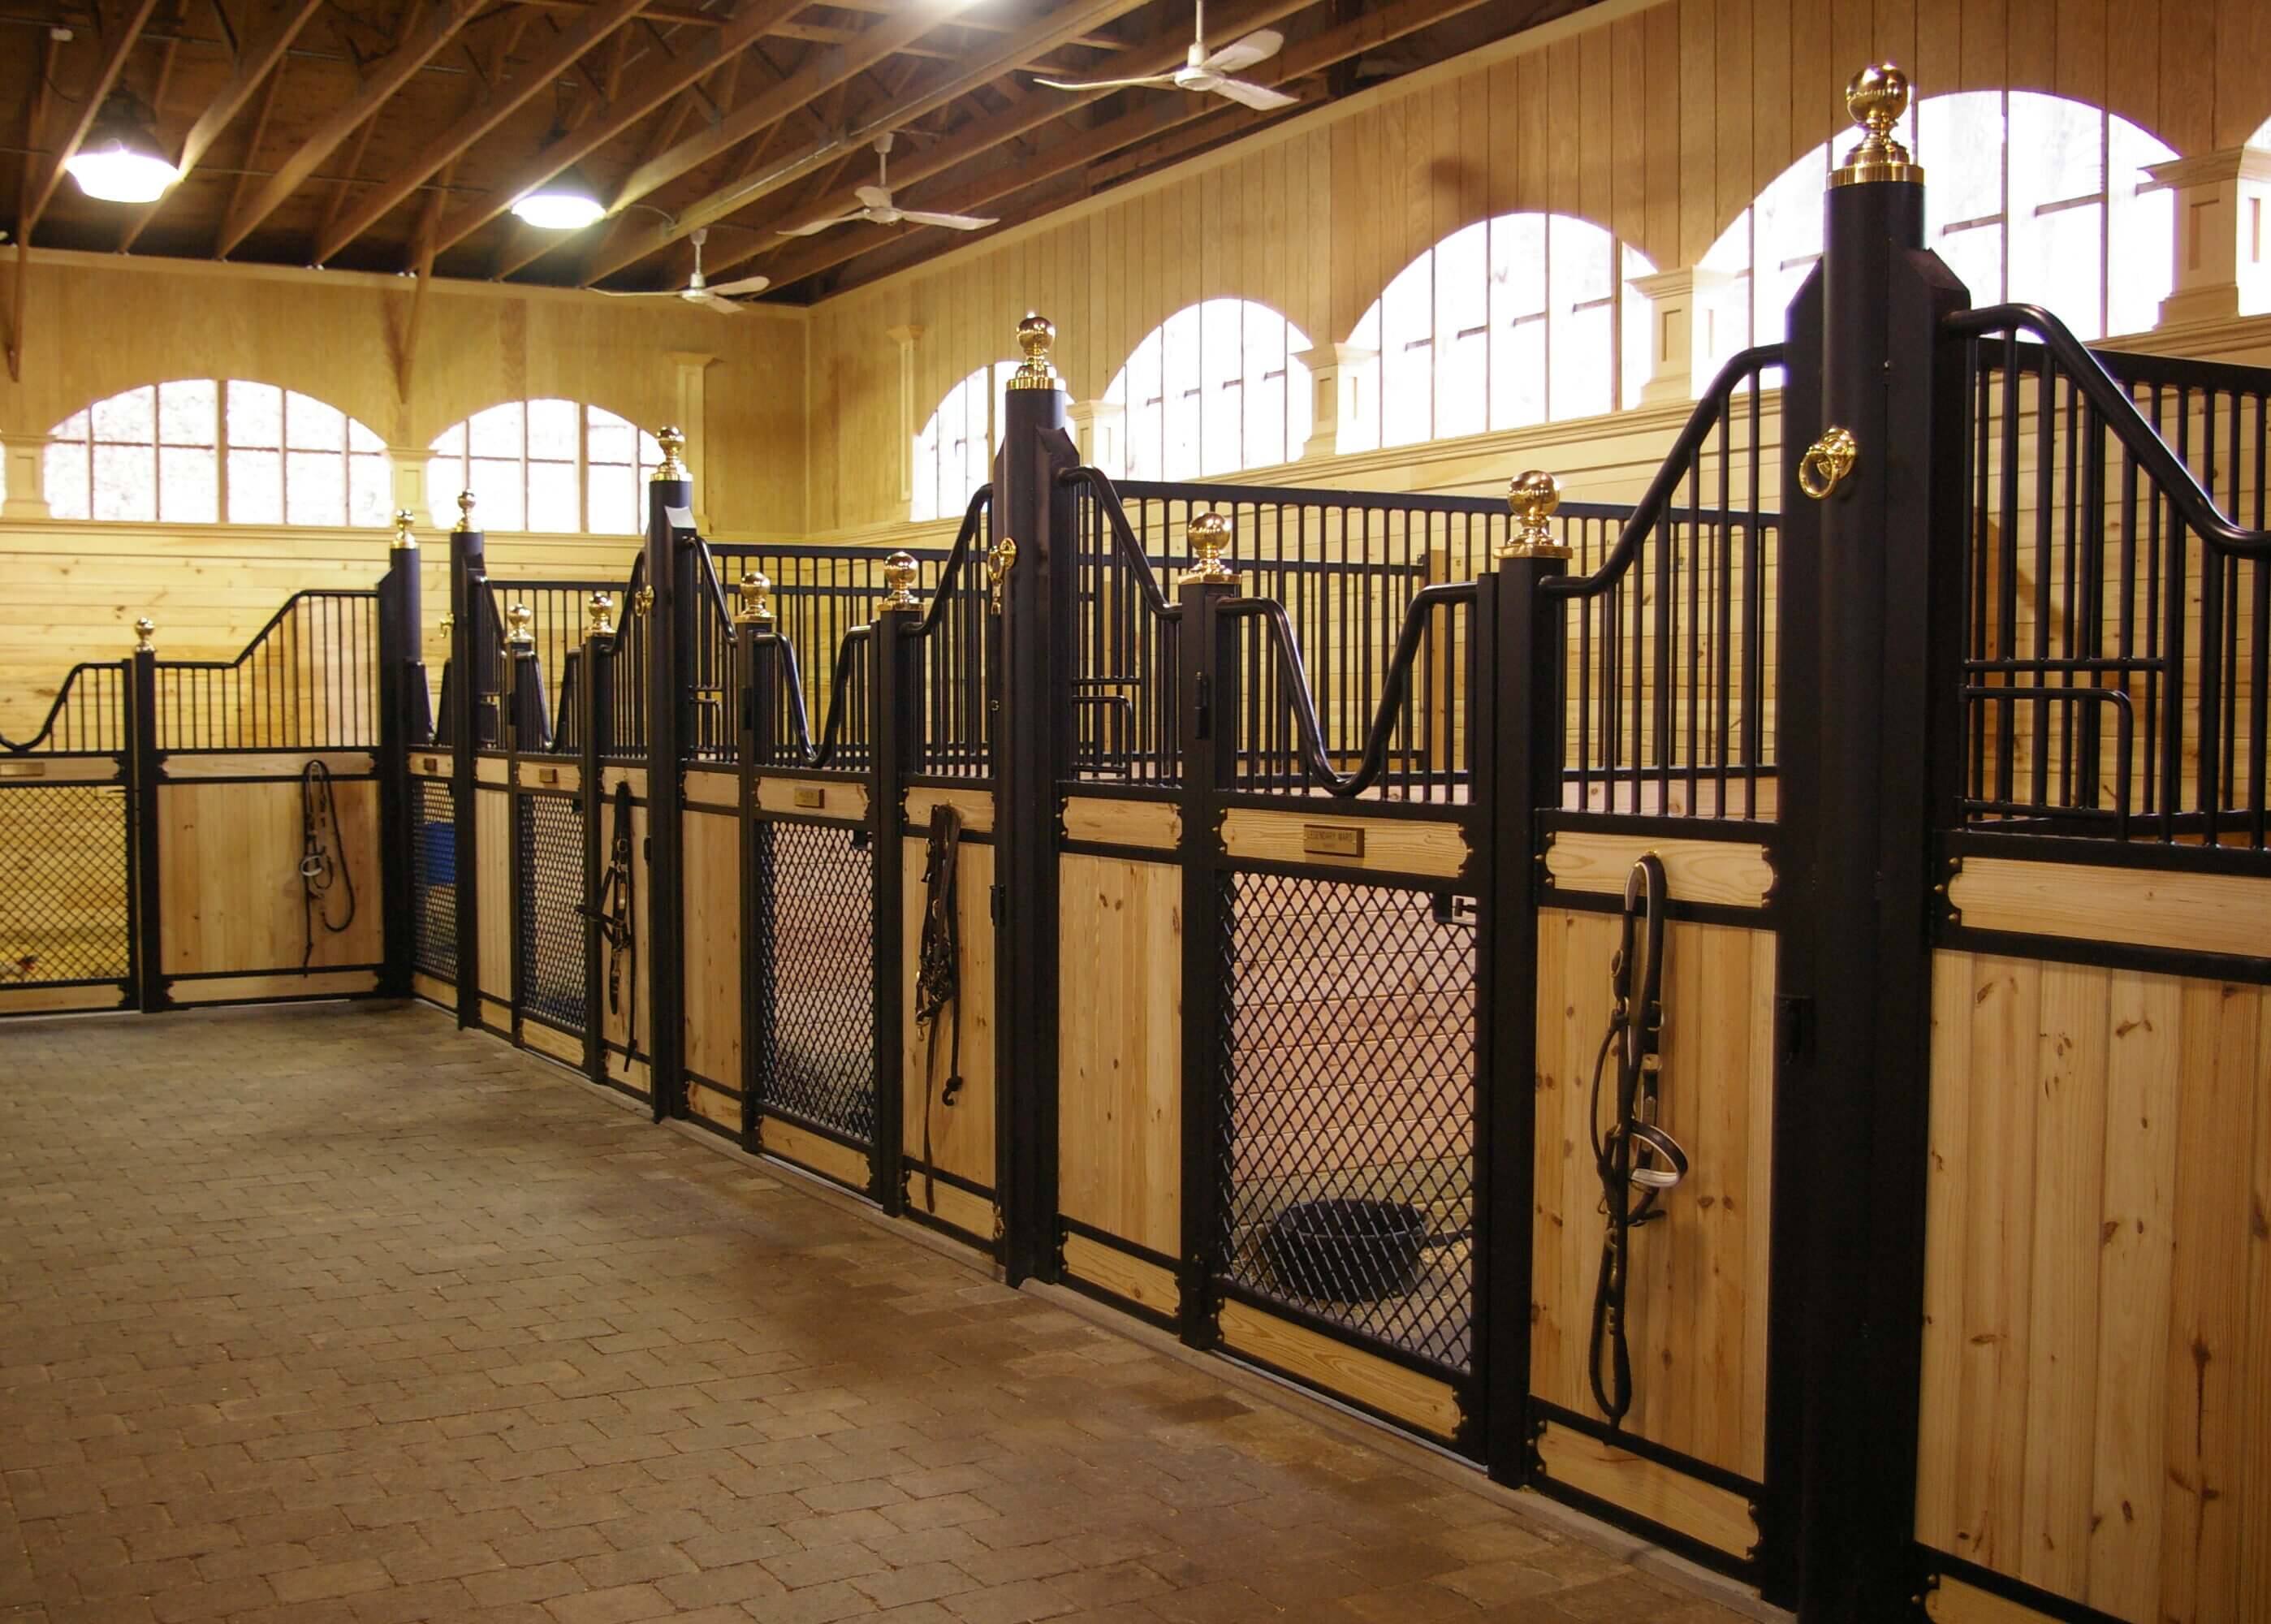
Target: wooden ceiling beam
[(1168, 111), (112, 62), (649, 90), (1004, 56), (579, 37), (436, 29), (254, 65)]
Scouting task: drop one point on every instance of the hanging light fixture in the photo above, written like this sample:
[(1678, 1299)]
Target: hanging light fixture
[(121, 161), (564, 202)]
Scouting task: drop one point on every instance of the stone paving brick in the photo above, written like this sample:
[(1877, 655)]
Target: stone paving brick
[(336, 1315)]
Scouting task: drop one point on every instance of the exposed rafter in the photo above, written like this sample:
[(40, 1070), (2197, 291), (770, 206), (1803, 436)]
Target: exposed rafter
[(587, 30), (1065, 23), (440, 25)]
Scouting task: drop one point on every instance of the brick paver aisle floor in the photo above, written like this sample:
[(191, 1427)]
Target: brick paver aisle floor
[(334, 1314)]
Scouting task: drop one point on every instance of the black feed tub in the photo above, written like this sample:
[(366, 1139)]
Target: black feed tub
[(1346, 1250)]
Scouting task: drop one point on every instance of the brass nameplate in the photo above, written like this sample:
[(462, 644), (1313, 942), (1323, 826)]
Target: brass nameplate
[(1331, 840), (810, 795), (23, 769), (430, 763), (548, 775)]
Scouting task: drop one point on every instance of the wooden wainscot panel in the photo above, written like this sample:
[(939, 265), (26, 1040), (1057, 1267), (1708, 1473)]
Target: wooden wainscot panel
[(809, 798), (712, 787), (1724, 873), (1951, 1601), (2193, 913), (492, 890), (616, 1025), (55, 1000), (791, 1143), (975, 805), (433, 989), (1120, 1121), (1156, 824), (551, 1044), (1145, 1284), (242, 988), (948, 1204), (1422, 1401), (713, 948), (719, 1110), (431, 764), (1707, 1514), (491, 769), (59, 769), (1322, 840), (496, 1013), (962, 1134), (231, 897), (565, 776), (186, 769), (630, 1074), (1696, 1309)]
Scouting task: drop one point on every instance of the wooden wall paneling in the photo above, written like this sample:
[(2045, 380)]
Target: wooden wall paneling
[(1667, 87), (1734, 77), (230, 893), (2132, 50), (1119, 1117), (1627, 117), (962, 1136), (1698, 103), (2187, 75), (1851, 35), (1814, 75), (1573, 95), (2031, 44), (1938, 1522), (2254, 1482), (713, 948), (1939, 44), (1896, 34), (1474, 149), (2080, 69), (492, 881), (2243, 63)]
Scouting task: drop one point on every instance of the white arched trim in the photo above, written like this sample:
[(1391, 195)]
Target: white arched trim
[(549, 466), (1214, 389)]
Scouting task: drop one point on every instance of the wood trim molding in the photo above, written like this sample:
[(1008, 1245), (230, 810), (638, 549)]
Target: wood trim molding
[(795, 797), (811, 1152), (1709, 1516), (1422, 1402), (1721, 872), (2143, 907), (975, 805), (1145, 1284), (1154, 825), (1396, 845)]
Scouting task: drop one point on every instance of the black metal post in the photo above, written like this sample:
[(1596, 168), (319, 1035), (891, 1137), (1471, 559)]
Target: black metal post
[(142, 765), (757, 665), (398, 714), (1854, 1090), (525, 723), (1207, 708), (1032, 747), (896, 693), (595, 724), (670, 541), (468, 627)]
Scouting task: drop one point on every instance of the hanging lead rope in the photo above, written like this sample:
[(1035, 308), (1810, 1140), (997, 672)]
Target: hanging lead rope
[(1633, 1152), (938, 975), (323, 859), (612, 915)]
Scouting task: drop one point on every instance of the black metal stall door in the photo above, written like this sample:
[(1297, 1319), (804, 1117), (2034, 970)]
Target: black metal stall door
[(1345, 1143), (550, 934), (815, 1007)]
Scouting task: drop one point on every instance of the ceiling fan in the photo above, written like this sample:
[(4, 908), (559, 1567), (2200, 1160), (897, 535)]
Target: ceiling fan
[(876, 204), (713, 295), (1206, 74)]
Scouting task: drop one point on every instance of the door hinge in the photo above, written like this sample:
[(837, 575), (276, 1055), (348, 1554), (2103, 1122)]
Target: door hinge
[(994, 901), (1202, 707), (1793, 1025)]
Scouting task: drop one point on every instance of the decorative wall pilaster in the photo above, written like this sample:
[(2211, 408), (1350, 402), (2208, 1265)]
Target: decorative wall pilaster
[(692, 422), (25, 456), (1333, 371), (1100, 429), (906, 337), (1685, 306), (2219, 250)]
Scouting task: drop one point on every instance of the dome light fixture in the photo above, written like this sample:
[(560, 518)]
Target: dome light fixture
[(564, 202), (121, 161)]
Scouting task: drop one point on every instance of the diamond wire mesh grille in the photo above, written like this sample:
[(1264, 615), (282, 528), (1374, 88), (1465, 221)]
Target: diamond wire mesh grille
[(1348, 1148), (433, 878), (62, 885), (551, 892), (816, 1062)]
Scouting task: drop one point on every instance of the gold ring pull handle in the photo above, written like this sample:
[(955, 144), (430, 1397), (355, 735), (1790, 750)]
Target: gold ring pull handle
[(1827, 462), (997, 569)]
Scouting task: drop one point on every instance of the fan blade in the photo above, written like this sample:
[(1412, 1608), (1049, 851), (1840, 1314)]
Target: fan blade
[(874, 196), (714, 302), (742, 284), (811, 227), (1260, 96), (1259, 46), (1149, 78), (641, 292), (952, 222)]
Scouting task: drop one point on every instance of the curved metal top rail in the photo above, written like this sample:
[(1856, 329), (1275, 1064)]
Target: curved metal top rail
[(1656, 504), (839, 684), (956, 557), (1314, 496), (273, 621), (716, 589), (1294, 675), (2111, 400), (1123, 537), (11, 747)]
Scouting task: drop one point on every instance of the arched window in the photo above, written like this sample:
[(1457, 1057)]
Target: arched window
[(2033, 198), (1511, 321), (1213, 389), (954, 453), (186, 453), (549, 466)]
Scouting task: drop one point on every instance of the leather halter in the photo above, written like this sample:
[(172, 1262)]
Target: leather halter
[(938, 975), (322, 859), (610, 916), (1631, 1153)]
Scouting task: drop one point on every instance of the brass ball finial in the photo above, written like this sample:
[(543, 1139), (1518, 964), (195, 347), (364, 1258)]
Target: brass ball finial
[(1533, 497), (143, 629), (404, 541), (672, 440), (519, 637), (1877, 97), (601, 610), (900, 577), (465, 510), (1210, 538), (756, 590), (1036, 337)]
